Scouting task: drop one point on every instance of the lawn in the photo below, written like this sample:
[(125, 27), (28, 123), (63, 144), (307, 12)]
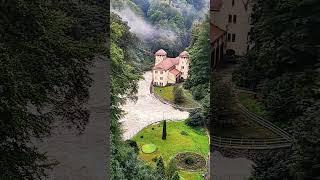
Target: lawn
[(192, 140), (251, 103), (167, 94)]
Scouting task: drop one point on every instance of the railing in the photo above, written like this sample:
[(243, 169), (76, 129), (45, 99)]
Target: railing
[(264, 123), (242, 143)]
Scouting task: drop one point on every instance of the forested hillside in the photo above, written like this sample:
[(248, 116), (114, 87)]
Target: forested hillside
[(284, 67), (167, 24)]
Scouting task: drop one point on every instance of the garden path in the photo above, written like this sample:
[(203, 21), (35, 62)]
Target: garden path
[(146, 110)]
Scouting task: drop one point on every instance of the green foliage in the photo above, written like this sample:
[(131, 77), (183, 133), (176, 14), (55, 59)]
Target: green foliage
[(133, 144), (160, 169), (199, 51), (178, 95), (171, 169), (284, 67), (175, 176), (45, 50), (164, 130), (196, 118), (223, 101), (124, 77)]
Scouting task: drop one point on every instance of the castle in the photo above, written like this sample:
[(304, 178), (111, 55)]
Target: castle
[(168, 70)]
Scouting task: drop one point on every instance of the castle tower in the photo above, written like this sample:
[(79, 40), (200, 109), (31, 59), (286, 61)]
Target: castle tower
[(160, 56), (183, 65)]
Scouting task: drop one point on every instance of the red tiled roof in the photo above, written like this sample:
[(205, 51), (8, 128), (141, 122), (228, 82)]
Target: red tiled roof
[(215, 33), (167, 63), (184, 54), (175, 72), (161, 52), (215, 5)]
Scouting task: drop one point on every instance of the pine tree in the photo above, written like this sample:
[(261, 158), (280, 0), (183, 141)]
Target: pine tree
[(164, 130)]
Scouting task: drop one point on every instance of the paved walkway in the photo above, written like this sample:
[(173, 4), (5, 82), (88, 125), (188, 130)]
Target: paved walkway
[(147, 110)]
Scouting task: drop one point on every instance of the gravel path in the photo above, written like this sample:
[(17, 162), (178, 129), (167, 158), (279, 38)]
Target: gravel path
[(147, 110)]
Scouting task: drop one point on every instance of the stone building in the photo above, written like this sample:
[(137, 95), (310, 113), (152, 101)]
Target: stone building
[(230, 28), (168, 70)]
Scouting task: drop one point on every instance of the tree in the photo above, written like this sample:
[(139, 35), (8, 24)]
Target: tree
[(199, 79), (178, 95), (196, 118), (160, 169), (283, 66), (222, 101), (46, 48), (164, 130), (124, 163)]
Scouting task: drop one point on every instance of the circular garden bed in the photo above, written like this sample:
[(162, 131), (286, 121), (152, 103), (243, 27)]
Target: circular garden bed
[(190, 161), (149, 148)]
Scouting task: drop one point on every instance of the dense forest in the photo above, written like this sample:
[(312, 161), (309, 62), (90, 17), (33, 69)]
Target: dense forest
[(46, 48), (167, 24), (284, 67)]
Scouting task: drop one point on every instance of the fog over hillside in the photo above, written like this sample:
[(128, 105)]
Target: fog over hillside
[(146, 31), (141, 27)]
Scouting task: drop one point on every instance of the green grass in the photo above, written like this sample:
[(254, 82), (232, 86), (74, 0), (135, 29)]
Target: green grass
[(167, 94), (196, 141), (252, 104)]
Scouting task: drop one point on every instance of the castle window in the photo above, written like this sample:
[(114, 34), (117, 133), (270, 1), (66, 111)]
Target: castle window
[(161, 72), (161, 78), (232, 3), (156, 72), (233, 37), (182, 67), (230, 18), (234, 19), (229, 37)]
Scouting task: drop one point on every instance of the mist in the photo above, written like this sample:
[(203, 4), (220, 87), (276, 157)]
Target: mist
[(143, 30)]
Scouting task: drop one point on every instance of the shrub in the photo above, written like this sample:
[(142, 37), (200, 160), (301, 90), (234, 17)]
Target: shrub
[(196, 118), (189, 160), (178, 95), (184, 133), (133, 144)]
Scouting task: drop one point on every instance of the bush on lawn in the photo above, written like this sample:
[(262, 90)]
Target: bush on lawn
[(196, 118), (178, 95)]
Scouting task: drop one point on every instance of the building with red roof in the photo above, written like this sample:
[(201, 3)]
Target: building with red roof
[(169, 70)]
